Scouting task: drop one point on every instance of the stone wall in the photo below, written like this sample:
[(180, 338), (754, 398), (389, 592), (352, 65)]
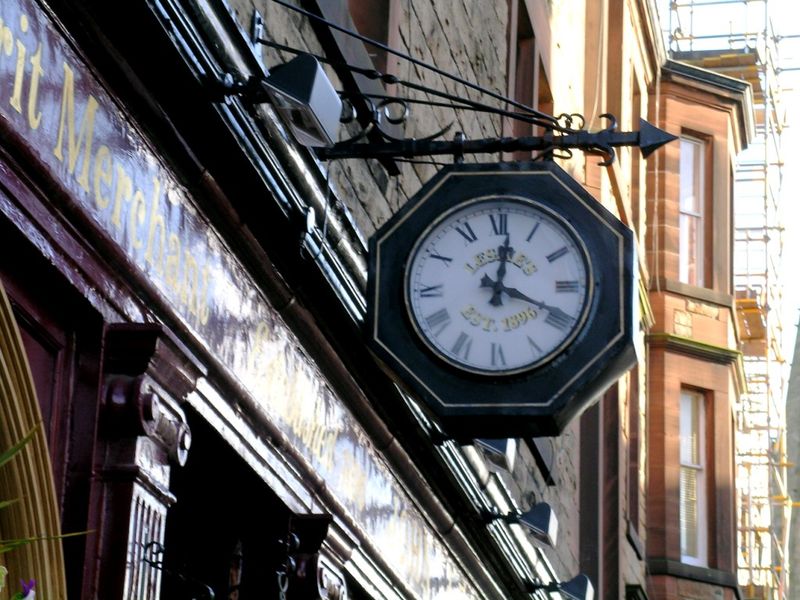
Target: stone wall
[(469, 39)]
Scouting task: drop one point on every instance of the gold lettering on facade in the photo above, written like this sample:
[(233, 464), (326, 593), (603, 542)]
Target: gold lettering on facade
[(203, 310), (16, 95), (172, 269), (156, 231), (35, 115), (190, 282), (137, 218), (67, 123), (260, 339), (135, 215), (7, 45), (103, 176), (123, 191), (6, 39)]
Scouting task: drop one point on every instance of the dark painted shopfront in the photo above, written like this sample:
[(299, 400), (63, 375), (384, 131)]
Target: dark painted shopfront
[(191, 342)]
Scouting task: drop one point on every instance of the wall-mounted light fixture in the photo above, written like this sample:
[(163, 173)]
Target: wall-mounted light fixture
[(499, 452), (540, 521), (578, 588), (303, 95)]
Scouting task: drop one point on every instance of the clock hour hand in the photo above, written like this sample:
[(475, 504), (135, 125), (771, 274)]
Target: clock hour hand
[(488, 282), (504, 252)]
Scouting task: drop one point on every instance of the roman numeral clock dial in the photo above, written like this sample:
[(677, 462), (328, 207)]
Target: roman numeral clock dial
[(498, 285)]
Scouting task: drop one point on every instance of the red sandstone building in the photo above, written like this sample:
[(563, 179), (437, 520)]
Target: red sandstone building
[(695, 371), (186, 284)]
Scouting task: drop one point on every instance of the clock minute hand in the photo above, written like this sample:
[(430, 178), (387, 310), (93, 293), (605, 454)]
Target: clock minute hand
[(556, 314)]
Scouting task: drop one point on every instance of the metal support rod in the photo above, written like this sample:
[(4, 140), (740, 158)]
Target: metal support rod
[(648, 138), (696, 3), (744, 35)]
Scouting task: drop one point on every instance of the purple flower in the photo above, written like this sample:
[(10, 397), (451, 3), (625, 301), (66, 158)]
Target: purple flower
[(27, 587)]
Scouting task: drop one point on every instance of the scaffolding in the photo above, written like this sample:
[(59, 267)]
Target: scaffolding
[(737, 38)]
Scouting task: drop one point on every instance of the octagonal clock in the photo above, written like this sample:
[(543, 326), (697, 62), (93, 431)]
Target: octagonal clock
[(504, 297)]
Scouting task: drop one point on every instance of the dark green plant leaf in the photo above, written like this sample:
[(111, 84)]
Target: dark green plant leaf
[(6, 503), (11, 452), (6, 545)]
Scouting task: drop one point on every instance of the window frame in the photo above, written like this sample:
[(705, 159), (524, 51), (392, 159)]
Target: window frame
[(528, 61), (699, 467), (380, 21)]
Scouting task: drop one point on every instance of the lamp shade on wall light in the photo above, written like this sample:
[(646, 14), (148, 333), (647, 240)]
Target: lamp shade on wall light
[(303, 95), (499, 452), (578, 588), (542, 522)]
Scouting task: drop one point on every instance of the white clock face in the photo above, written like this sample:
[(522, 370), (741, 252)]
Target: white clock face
[(498, 285)]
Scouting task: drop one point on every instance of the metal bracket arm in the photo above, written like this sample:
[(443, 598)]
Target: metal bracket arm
[(649, 138)]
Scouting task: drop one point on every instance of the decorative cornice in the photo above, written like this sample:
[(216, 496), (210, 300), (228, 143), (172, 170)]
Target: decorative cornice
[(674, 568), (693, 292), (702, 351), (694, 348), (739, 92)]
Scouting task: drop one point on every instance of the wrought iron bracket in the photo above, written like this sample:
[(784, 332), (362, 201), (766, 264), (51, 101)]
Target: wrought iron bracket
[(153, 555), (649, 138)]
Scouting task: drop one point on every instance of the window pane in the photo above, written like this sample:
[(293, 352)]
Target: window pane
[(690, 253), (688, 174), (690, 428), (689, 531), (691, 244)]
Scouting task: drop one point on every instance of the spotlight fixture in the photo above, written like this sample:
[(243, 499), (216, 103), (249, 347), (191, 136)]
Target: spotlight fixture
[(540, 521), (303, 95), (499, 452), (578, 588)]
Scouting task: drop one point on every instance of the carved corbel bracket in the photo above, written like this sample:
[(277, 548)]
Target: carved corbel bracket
[(134, 406), (308, 569), (148, 348), (331, 584), (148, 373)]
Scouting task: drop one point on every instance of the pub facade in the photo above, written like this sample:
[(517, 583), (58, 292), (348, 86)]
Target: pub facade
[(185, 291)]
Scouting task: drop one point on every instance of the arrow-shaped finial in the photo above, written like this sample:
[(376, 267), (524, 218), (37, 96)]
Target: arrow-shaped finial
[(651, 138)]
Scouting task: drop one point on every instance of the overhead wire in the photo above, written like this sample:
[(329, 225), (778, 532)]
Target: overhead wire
[(553, 121), (456, 102)]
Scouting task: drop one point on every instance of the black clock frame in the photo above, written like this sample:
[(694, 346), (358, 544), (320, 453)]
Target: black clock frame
[(539, 401)]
